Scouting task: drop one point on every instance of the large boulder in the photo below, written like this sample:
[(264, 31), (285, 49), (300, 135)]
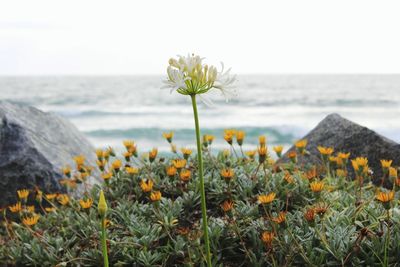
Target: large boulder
[(346, 136), (34, 146)]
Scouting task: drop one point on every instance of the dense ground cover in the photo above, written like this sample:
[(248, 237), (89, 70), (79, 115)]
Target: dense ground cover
[(260, 212)]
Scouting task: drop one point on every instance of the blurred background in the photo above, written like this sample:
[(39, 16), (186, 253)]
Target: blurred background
[(101, 64)]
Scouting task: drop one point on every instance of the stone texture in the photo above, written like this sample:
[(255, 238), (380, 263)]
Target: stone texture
[(346, 136), (34, 146)]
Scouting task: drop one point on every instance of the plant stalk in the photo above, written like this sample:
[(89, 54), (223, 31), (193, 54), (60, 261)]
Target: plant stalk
[(104, 241), (201, 181)]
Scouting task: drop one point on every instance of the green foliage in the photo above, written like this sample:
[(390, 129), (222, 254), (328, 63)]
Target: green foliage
[(353, 231)]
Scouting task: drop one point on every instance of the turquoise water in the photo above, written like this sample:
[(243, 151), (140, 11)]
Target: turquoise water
[(283, 107)]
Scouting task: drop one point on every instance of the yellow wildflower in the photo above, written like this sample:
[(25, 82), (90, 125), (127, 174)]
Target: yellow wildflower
[(179, 163), (240, 137), (102, 206), (132, 170), (63, 199), (266, 199), (168, 136), (325, 151), (392, 172), (155, 196), (51, 196), (251, 154), (317, 186), (146, 185), (227, 174), (16, 207), (153, 154), (280, 218), (227, 205), (262, 140), (386, 163), (301, 145), (23, 194), (128, 144), (86, 204), (116, 165), (278, 150), (186, 153), (171, 171), (30, 220), (267, 238), (185, 175)]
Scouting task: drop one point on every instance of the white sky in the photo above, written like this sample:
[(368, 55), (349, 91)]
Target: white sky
[(138, 37)]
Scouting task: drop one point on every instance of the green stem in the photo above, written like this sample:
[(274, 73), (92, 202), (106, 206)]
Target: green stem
[(201, 181), (104, 241)]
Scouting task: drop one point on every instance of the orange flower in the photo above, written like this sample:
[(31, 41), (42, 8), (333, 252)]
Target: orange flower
[(385, 197), (132, 170), (386, 163), (227, 205), (23, 194), (288, 178), (309, 215), (262, 140), (292, 155), (15, 208), (240, 137), (262, 154), (86, 204), (186, 153), (317, 186), (301, 145), (311, 173), (153, 154), (267, 238), (168, 136), (179, 163), (63, 199), (171, 171), (280, 218), (79, 161), (325, 151), (278, 150), (228, 135), (227, 174), (155, 196), (116, 165), (185, 175), (343, 156), (146, 185), (30, 220), (266, 199)]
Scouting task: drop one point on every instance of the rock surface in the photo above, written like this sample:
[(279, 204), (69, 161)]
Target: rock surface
[(34, 146), (346, 136)]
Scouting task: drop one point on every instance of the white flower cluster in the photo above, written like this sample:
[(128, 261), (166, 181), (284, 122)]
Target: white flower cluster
[(189, 76)]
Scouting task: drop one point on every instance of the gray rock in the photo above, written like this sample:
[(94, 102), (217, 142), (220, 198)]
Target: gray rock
[(34, 146), (346, 136)]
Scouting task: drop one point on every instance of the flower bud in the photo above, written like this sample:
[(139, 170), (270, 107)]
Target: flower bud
[(102, 206)]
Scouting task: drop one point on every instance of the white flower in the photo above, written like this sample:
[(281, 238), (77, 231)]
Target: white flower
[(189, 76)]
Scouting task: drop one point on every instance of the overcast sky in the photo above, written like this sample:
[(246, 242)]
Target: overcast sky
[(138, 37)]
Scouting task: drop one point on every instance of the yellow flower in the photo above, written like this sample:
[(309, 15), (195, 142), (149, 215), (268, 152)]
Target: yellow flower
[(262, 140), (132, 170), (386, 163), (23, 194), (39, 195), (155, 196), (325, 151), (301, 145), (240, 137), (146, 185), (168, 136), (341, 173), (66, 171), (186, 152), (101, 164), (99, 153), (153, 154), (79, 161), (106, 175), (63, 199), (171, 171), (251, 153), (360, 164), (317, 186), (227, 174), (30, 208), (86, 204), (267, 238), (228, 136), (51, 196), (292, 155), (102, 206), (385, 197), (280, 218), (344, 156), (227, 205), (116, 165), (15, 208), (129, 144), (289, 178), (266, 199), (393, 172), (209, 138), (226, 153), (179, 163), (30, 220), (262, 154), (50, 209), (278, 150), (185, 175), (127, 155)]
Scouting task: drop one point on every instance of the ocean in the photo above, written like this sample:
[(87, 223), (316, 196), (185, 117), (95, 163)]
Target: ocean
[(110, 109)]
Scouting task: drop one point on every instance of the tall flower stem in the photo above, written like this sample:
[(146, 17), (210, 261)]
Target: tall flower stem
[(201, 181), (104, 241)]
